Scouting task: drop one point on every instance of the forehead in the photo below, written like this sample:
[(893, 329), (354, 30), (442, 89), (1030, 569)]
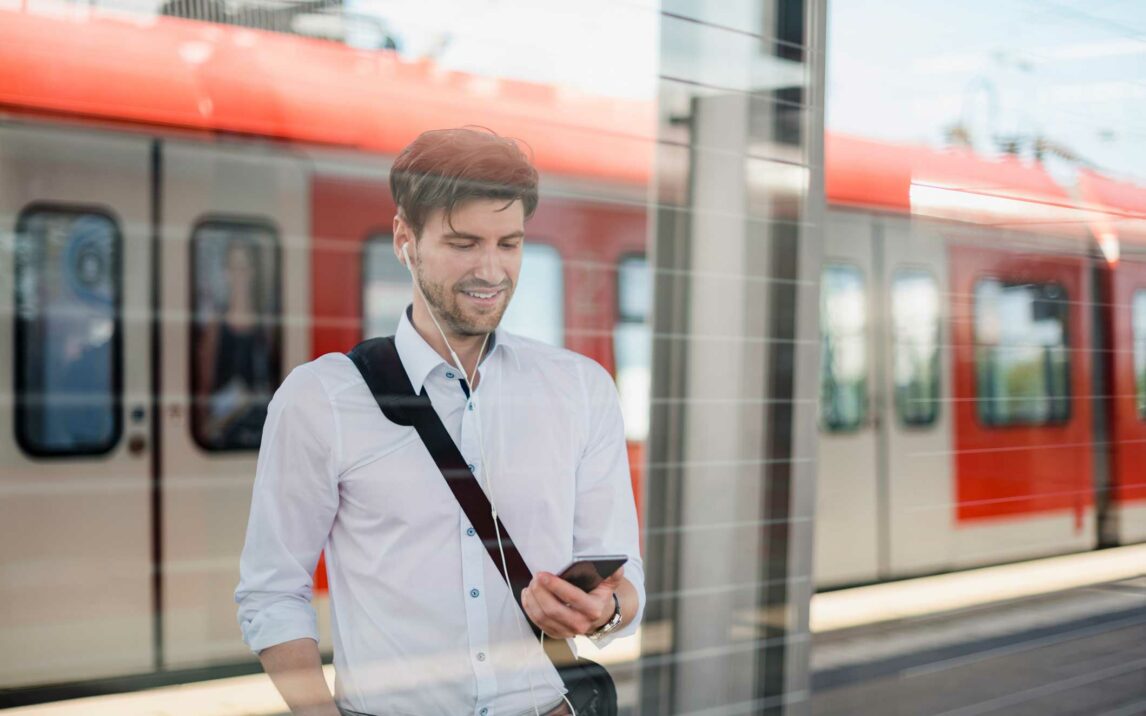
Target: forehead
[(487, 218)]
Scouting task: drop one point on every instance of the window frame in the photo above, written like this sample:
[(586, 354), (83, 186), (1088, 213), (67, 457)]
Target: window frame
[(866, 417), (1068, 415), (938, 355), (244, 222), (19, 337), (618, 314), (379, 237), (1135, 341)]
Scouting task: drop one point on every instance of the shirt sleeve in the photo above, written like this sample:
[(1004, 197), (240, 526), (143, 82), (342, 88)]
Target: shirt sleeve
[(605, 516), (293, 505)]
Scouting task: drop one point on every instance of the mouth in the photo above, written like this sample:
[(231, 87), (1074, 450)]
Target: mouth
[(488, 297)]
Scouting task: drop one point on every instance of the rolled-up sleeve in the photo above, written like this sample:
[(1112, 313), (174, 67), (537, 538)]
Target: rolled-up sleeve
[(293, 505), (605, 518)]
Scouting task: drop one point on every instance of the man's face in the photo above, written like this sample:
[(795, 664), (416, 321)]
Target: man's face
[(467, 268)]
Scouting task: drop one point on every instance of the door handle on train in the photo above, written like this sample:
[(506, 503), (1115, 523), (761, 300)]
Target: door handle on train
[(136, 444)]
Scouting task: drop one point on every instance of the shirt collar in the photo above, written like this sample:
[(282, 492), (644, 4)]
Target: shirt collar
[(420, 359)]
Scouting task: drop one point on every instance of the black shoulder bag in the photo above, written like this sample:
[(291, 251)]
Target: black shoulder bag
[(591, 688)]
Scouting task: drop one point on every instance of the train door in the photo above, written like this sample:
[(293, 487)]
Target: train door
[(846, 541), (916, 489), (236, 303), (1128, 378), (1020, 324), (75, 440)]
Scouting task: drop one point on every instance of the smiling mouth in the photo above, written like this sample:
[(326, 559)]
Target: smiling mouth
[(484, 295)]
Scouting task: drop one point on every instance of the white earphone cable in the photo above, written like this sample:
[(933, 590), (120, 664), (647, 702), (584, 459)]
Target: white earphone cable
[(485, 469)]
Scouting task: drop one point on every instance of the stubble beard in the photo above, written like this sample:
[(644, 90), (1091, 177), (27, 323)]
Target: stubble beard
[(444, 303)]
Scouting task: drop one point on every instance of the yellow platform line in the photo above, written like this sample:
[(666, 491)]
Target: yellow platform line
[(948, 592)]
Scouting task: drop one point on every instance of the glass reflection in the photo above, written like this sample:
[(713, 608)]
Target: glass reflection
[(235, 332), (1021, 361), (915, 336), (67, 294), (843, 376)]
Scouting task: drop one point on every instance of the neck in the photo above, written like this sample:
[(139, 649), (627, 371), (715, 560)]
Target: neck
[(466, 347)]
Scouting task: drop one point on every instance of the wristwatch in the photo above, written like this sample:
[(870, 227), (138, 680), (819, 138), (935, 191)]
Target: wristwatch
[(610, 626)]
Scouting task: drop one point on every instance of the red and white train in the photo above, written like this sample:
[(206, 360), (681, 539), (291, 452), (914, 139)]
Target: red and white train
[(189, 211)]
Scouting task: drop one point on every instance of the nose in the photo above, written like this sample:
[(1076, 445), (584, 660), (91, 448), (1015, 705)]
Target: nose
[(489, 268)]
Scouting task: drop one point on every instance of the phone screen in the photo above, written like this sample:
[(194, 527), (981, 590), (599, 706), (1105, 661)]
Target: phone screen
[(588, 572)]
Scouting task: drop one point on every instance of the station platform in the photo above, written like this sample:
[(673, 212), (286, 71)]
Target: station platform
[(916, 627)]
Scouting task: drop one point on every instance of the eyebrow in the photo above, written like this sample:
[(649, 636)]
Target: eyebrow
[(474, 237)]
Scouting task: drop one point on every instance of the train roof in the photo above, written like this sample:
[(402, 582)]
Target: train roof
[(68, 60)]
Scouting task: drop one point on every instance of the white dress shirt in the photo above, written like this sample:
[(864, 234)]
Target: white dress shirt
[(422, 621)]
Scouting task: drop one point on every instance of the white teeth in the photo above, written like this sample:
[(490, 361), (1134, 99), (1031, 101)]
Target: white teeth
[(480, 295)]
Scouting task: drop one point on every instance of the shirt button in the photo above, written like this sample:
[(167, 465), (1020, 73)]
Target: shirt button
[(470, 466), (471, 532), (474, 593), (483, 712), (449, 375), (471, 407), (481, 656)]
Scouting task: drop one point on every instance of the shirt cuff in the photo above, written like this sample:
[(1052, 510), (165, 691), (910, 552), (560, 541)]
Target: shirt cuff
[(280, 623)]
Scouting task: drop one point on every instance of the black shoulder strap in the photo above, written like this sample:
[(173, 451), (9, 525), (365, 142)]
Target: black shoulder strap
[(378, 361)]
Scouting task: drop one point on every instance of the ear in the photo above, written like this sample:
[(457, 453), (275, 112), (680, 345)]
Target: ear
[(402, 236)]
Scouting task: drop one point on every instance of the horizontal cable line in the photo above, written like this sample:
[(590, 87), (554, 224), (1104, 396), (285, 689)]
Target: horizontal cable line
[(729, 463), (731, 29), (729, 526), (1027, 448), (728, 588)]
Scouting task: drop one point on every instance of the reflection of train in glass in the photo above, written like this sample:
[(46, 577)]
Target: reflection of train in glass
[(192, 222)]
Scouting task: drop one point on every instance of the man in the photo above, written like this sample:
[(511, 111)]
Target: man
[(422, 621)]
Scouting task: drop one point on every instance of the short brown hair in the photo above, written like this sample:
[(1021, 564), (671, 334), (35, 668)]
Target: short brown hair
[(443, 168)]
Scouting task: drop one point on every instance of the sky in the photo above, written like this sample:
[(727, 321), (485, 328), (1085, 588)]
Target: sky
[(1071, 72)]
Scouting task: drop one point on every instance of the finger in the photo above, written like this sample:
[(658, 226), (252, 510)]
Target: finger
[(572, 595), (533, 611), (555, 611)]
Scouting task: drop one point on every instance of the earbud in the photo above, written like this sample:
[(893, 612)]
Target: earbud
[(406, 256)]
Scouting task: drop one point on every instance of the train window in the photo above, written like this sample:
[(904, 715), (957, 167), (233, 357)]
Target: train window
[(632, 344), (1139, 337), (843, 348), (538, 307), (1021, 357), (235, 360), (68, 341), (915, 346), (385, 287)]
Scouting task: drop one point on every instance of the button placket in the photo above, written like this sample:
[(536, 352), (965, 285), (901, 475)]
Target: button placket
[(477, 614)]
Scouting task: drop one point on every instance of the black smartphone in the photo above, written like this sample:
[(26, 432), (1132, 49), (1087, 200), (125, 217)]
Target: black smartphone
[(588, 572)]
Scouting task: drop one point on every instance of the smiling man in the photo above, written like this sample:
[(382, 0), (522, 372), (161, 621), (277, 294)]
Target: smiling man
[(422, 620)]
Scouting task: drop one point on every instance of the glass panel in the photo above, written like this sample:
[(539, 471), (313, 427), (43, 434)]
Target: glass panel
[(538, 307), (915, 346), (1139, 321), (1021, 360), (632, 345), (235, 334), (68, 364), (843, 372), (385, 287)]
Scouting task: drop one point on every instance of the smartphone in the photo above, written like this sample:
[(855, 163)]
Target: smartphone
[(588, 572)]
